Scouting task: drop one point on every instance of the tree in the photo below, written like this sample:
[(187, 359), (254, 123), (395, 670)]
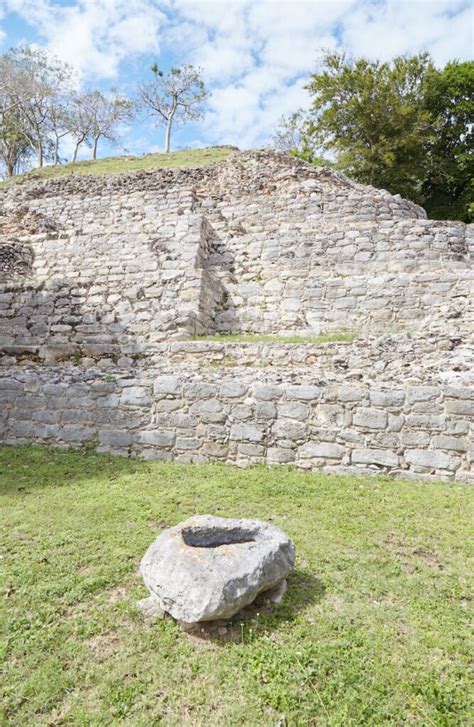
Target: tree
[(60, 125), (36, 81), (14, 145), (101, 114), (174, 98), (448, 189), (292, 136), (372, 116), (15, 148)]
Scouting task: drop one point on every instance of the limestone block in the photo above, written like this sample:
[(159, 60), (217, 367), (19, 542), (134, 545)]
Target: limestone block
[(114, 437), (166, 385), (431, 459), (294, 410), (304, 393), (156, 438), (422, 393), (232, 389), (280, 455), (322, 450), (246, 432), (443, 441), (394, 398), (267, 393), (289, 429), (370, 418), (460, 407), (381, 457), (135, 396)]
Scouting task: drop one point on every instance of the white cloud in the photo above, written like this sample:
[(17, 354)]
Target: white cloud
[(94, 35), (382, 30), (260, 52), (256, 54)]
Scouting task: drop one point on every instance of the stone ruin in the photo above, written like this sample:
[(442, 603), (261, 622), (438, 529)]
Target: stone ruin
[(209, 568), (107, 283)]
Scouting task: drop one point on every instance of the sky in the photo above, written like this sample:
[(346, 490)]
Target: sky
[(255, 55)]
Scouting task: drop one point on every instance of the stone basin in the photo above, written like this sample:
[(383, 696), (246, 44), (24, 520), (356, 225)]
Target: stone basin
[(208, 568)]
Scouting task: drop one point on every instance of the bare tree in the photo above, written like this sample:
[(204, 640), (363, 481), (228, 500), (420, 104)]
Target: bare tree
[(36, 82), (14, 144), (60, 125), (81, 122), (100, 116), (173, 98), (290, 129)]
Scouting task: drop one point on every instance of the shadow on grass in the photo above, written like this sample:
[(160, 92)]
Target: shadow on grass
[(262, 616)]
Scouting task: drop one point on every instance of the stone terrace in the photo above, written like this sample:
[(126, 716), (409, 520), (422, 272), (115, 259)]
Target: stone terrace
[(103, 282)]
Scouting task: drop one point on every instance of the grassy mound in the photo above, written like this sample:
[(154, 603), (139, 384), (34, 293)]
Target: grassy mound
[(122, 164), (374, 629)]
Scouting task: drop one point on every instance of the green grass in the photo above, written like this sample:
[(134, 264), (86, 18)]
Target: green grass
[(120, 165), (374, 629), (330, 337)]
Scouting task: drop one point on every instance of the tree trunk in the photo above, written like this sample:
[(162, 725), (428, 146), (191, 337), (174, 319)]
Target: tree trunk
[(94, 152), (56, 152), (76, 148), (10, 165), (40, 154), (168, 135)]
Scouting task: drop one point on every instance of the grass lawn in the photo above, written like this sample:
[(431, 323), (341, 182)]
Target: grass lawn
[(330, 337), (374, 629), (120, 165)]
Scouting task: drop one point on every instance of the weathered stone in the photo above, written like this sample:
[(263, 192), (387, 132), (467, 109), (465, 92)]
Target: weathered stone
[(167, 385), (432, 459), (131, 267), (243, 432), (381, 457), (289, 429), (157, 438), (209, 568), (323, 450), (387, 398), (370, 418), (136, 396)]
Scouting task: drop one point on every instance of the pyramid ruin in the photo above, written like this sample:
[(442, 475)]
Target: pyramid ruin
[(108, 283)]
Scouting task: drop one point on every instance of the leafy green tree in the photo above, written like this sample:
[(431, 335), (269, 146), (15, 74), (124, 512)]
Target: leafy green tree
[(173, 98), (448, 189), (372, 117)]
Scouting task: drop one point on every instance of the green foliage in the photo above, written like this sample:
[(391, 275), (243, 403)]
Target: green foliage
[(403, 126), (448, 190), (372, 116), (374, 629)]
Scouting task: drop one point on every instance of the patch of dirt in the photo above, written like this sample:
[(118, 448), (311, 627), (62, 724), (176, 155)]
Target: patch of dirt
[(104, 645), (409, 556), (117, 594)]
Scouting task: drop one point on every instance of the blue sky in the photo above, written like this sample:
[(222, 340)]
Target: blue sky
[(255, 54)]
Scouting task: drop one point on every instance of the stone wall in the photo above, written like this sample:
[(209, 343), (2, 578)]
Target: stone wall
[(409, 430), (104, 281), (261, 243)]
